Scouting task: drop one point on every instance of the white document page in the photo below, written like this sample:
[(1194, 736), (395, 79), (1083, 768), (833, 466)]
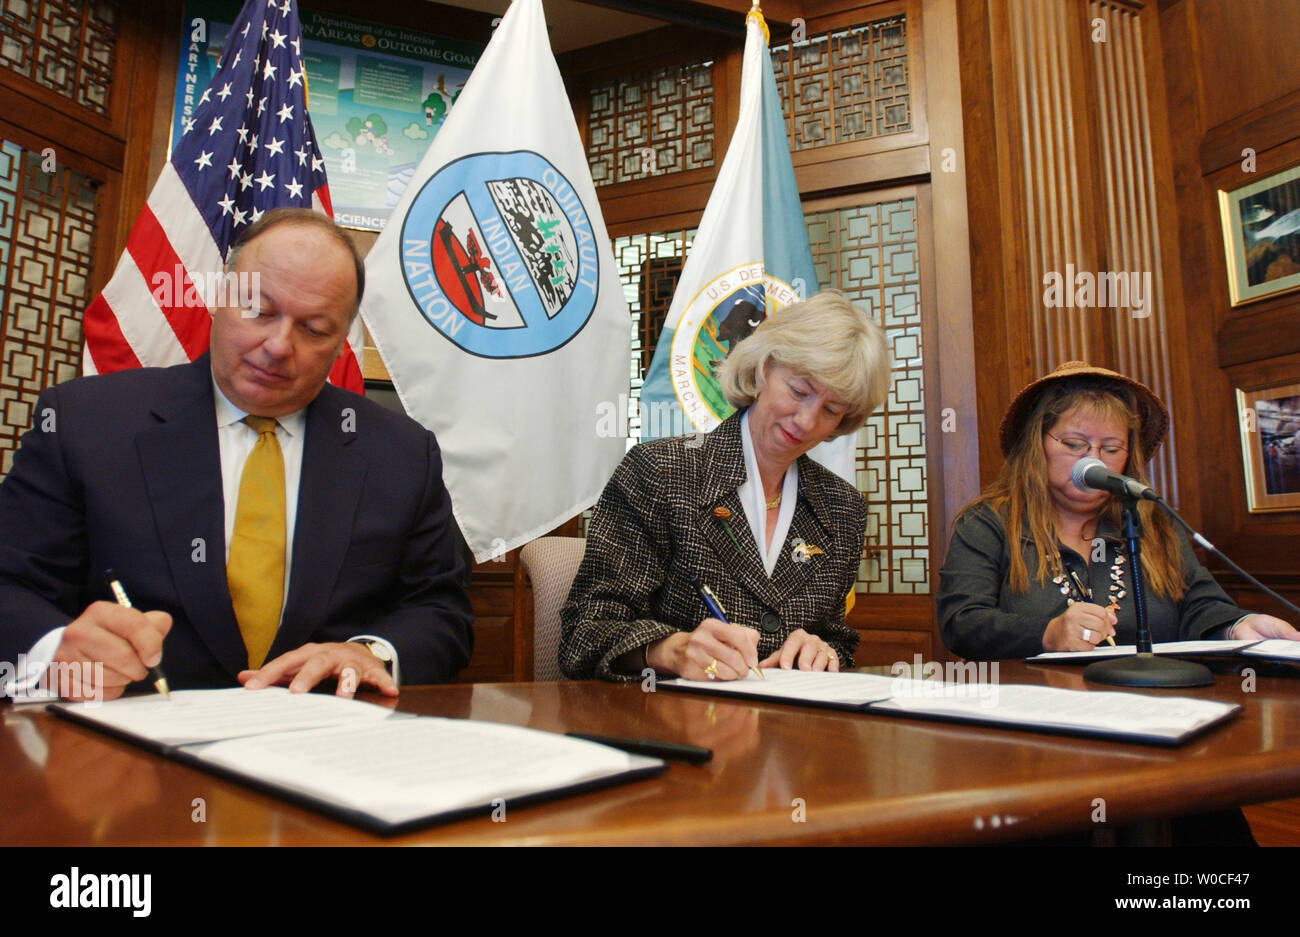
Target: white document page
[(1128, 713), (823, 687), (208, 715), (1105, 651), (407, 769), (1275, 647)]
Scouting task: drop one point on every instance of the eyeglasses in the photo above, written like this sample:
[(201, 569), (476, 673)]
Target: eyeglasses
[(1077, 446)]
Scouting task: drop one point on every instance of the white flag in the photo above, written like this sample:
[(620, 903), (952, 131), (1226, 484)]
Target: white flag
[(494, 300)]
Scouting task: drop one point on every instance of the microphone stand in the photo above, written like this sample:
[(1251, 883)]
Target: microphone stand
[(1215, 551), (1145, 668)]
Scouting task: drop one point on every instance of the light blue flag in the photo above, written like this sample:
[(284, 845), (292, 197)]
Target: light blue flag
[(750, 258)]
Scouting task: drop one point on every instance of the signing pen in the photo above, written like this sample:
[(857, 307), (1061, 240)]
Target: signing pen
[(717, 611), (159, 680), (1087, 594)]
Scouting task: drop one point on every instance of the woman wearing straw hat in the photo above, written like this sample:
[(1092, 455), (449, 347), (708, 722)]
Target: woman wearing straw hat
[(1065, 586)]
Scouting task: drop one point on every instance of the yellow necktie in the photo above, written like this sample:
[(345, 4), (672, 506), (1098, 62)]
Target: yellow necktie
[(255, 570)]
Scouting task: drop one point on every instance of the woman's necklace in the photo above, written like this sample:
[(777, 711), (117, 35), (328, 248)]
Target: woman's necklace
[(1075, 591), (775, 502)]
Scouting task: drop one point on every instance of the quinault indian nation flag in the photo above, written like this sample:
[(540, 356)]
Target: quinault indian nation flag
[(750, 257), (496, 303), (247, 147)]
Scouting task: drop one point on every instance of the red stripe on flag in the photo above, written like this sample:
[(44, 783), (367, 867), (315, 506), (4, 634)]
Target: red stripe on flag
[(346, 373), (152, 252), (105, 343), (323, 193)]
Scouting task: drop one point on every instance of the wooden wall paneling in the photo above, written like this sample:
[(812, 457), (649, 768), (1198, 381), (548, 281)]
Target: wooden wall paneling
[(1091, 330), (1257, 346), (987, 164), (848, 171), (951, 368), (1132, 237), (147, 52), (27, 108), (492, 596), (1246, 53), (1220, 111), (1273, 328), (1025, 78), (671, 45), (1269, 125), (524, 643), (167, 54), (893, 157), (1181, 484), (1205, 389), (1017, 217), (656, 205), (942, 501)]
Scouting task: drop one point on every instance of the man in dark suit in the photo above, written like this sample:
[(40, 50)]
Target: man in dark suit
[(318, 543)]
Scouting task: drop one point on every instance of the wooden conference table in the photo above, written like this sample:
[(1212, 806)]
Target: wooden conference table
[(853, 778)]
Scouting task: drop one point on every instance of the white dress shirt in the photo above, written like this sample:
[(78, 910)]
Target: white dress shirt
[(754, 501)]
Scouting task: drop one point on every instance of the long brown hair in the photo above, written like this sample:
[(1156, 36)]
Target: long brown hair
[(1020, 495)]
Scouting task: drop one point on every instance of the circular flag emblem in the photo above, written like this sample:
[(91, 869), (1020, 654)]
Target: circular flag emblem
[(498, 254), (718, 318)]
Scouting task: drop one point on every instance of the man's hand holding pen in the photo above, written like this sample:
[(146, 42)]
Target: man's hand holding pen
[(126, 640)]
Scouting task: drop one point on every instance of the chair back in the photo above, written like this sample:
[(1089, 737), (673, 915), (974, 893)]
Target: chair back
[(550, 563)]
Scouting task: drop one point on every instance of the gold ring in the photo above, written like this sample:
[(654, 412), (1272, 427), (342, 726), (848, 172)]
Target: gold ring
[(711, 671)]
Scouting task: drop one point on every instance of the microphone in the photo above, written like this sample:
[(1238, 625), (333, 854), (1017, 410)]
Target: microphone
[(1091, 474)]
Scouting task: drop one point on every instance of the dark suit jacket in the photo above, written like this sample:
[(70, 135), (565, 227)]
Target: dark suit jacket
[(123, 471), (654, 528)]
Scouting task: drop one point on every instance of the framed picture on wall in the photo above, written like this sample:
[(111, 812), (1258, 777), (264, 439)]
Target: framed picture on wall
[(1270, 446), (1261, 236)]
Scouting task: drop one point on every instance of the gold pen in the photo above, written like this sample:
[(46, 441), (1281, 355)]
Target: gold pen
[(119, 593)]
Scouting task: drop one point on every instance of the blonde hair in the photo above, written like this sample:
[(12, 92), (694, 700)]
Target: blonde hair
[(1020, 492), (826, 338)]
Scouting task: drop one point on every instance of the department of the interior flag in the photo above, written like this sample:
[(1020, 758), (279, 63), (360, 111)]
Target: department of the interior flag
[(749, 258)]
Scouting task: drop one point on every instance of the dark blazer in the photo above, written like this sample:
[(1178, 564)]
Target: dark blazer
[(980, 618), (123, 471), (654, 527)]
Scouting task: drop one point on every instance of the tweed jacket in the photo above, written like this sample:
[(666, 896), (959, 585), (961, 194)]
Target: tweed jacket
[(654, 527), (980, 618)]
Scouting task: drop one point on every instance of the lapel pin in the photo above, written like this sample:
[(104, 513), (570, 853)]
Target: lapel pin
[(723, 515), (804, 552)]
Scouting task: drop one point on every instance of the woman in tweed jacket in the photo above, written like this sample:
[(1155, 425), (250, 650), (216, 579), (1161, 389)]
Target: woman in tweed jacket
[(689, 508)]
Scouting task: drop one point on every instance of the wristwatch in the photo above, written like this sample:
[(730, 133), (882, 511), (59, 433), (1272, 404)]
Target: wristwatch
[(381, 650)]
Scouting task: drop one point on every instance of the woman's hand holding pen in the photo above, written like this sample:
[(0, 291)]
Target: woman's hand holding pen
[(1081, 627), (714, 650)]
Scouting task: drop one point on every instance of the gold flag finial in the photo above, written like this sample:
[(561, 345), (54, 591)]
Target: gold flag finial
[(755, 13)]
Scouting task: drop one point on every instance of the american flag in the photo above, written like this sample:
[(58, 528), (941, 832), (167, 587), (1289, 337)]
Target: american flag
[(247, 147)]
